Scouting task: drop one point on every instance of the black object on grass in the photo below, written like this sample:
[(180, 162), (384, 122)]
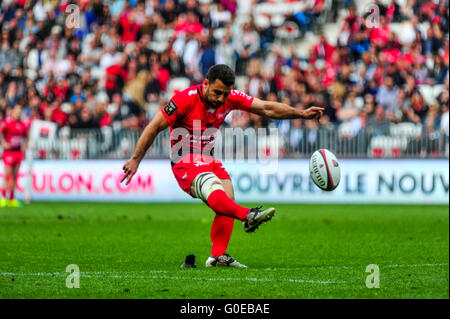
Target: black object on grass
[(189, 262)]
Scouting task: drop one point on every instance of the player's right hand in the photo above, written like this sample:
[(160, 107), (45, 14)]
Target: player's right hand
[(130, 168), (313, 112)]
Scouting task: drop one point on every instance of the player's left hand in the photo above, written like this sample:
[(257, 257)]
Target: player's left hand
[(313, 112)]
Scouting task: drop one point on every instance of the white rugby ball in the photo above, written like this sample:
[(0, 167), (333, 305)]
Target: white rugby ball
[(324, 170)]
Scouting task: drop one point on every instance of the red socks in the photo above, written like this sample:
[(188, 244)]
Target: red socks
[(226, 211), (221, 230), (11, 194), (223, 205)]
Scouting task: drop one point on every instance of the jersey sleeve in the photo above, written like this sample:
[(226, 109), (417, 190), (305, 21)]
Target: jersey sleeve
[(240, 101), (176, 108)]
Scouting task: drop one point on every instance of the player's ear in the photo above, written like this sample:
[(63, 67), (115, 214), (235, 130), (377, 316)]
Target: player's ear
[(206, 82)]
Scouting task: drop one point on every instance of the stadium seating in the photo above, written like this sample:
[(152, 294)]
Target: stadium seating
[(300, 57), (387, 146)]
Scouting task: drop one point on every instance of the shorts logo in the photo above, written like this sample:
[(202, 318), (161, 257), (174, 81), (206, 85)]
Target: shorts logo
[(200, 164), (170, 108)]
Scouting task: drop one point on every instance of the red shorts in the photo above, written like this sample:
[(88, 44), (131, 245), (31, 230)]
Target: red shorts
[(11, 158), (185, 171)]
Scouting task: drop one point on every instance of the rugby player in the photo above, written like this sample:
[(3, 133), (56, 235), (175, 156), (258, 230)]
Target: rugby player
[(15, 139), (191, 112)]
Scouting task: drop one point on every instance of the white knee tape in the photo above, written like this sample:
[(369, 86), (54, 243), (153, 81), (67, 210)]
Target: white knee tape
[(205, 184)]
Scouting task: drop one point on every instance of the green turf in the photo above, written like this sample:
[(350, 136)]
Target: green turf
[(306, 251)]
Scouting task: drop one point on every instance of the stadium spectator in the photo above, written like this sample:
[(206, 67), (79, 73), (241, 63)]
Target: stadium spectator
[(306, 18), (377, 124), (418, 109), (225, 49), (123, 114), (324, 50), (387, 94), (220, 17), (267, 34), (246, 46), (208, 55)]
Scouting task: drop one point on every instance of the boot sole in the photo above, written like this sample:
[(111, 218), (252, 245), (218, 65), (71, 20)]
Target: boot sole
[(270, 212)]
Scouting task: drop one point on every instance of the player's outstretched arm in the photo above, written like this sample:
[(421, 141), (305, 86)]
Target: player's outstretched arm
[(158, 124), (281, 111)]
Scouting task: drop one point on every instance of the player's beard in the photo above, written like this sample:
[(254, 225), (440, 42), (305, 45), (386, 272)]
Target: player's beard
[(216, 105), (213, 104)]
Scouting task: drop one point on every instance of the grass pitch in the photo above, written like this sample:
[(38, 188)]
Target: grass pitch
[(306, 251)]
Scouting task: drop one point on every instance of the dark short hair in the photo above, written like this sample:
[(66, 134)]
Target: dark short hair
[(222, 72)]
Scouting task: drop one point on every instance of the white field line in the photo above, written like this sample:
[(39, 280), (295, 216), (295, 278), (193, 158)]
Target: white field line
[(100, 274), (415, 265), (360, 266), (165, 277)]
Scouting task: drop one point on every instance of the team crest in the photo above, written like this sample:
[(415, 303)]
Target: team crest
[(170, 108)]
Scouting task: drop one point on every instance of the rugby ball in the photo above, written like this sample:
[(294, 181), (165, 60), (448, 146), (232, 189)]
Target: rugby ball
[(324, 169)]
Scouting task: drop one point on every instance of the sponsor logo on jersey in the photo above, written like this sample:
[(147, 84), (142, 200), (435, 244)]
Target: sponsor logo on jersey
[(241, 94), (170, 108)]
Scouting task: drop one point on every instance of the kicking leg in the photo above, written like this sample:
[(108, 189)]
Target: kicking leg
[(209, 188), (213, 192)]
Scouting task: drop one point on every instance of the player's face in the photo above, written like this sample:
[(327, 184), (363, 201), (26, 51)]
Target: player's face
[(16, 112), (216, 93)]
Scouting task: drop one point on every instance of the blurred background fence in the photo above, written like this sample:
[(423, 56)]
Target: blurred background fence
[(403, 140)]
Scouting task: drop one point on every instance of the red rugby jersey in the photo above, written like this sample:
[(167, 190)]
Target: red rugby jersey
[(190, 117), (14, 133)]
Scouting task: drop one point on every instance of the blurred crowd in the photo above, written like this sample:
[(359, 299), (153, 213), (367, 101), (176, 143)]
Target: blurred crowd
[(372, 77), (89, 64)]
